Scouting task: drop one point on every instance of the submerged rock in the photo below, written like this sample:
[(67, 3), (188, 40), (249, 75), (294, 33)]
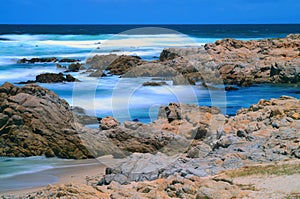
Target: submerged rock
[(154, 83)]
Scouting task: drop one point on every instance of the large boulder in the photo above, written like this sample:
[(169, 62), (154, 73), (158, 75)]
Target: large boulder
[(35, 121), (101, 62), (123, 64)]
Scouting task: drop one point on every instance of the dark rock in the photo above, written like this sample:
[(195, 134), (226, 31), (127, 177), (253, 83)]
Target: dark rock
[(74, 67), (167, 55), (231, 88), (51, 78), (123, 64), (241, 133), (154, 83), (70, 78), (68, 60), (173, 112), (34, 60)]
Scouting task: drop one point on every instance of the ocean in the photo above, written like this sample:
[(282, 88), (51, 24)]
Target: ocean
[(123, 98)]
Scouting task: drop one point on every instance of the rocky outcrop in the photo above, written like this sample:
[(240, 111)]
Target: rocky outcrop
[(123, 64), (173, 187), (134, 137), (43, 60), (265, 132), (51, 78), (242, 62), (35, 121), (227, 61)]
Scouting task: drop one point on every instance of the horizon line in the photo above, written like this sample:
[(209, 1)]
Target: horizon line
[(147, 24)]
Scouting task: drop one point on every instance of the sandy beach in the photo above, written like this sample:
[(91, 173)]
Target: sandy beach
[(78, 173)]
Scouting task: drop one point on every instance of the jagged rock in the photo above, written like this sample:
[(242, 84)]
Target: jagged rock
[(109, 123), (35, 121)]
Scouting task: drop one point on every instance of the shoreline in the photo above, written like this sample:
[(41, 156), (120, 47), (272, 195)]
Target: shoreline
[(77, 174)]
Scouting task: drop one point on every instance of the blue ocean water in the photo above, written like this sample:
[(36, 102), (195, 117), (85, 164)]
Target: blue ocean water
[(124, 98), (83, 41)]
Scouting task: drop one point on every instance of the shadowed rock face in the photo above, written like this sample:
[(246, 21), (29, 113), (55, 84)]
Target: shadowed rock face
[(123, 64), (35, 121)]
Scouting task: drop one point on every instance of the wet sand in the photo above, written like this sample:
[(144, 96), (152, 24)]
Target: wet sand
[(76, 173)]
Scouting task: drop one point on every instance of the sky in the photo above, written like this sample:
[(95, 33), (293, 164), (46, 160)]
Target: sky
[(149, 11)]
